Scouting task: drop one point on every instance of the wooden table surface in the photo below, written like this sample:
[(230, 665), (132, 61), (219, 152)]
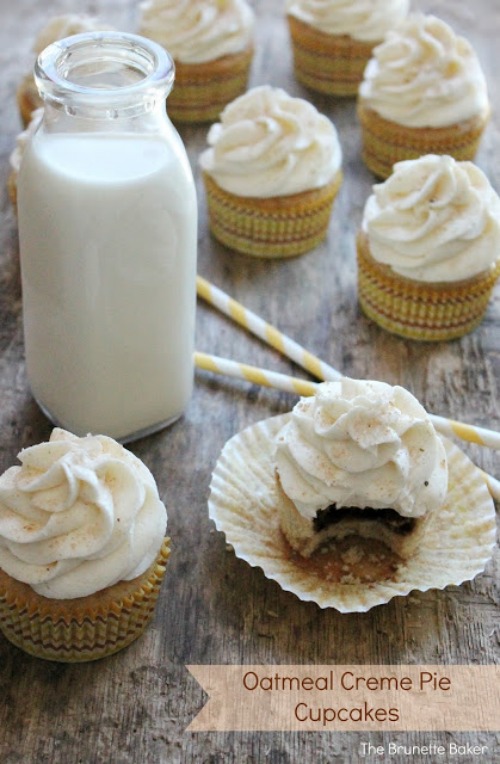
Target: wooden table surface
[(214, 608)]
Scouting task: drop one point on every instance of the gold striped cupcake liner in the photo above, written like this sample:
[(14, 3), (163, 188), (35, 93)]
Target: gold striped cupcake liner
[(385, 142), (274, 227), (330, 64), (82, 629), (417, 310), (201, 91)]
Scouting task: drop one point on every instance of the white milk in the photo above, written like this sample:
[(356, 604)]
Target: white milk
[(108, 277)]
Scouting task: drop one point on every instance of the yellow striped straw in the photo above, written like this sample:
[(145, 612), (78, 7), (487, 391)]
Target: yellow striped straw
[(265, 331), (318, 368), (254, 374), (278, 381)]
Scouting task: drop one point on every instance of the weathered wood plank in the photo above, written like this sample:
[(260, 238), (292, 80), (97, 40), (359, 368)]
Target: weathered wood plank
[(214, 608)]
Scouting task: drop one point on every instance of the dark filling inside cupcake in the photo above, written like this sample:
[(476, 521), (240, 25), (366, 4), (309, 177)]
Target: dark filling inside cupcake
[(331, 515)]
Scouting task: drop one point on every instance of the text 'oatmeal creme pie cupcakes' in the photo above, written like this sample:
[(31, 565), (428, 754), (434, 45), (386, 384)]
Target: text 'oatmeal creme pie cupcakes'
[(271, 174), (211, 42), (423, 92), (28, 98), (332, 40), (429, 249), (82, 548)]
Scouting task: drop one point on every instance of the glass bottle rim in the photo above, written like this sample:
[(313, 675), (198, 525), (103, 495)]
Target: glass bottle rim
[(152, 62)]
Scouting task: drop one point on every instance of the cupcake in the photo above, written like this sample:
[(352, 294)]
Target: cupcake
[(429, 249), (211, 42), (82, 548), (17, 154), (359, 459), (28, 98), (271, 174), (332, 40), (350, 500), (423, 92)]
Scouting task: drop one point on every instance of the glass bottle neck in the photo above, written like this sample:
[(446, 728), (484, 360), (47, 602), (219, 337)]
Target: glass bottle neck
[(104, 76)]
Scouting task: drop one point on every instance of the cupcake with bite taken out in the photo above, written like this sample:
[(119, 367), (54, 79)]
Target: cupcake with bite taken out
[(332, 40), (271, 172), (359, 459), (429, 249), (82, 548), (211, 42), (28, 98)]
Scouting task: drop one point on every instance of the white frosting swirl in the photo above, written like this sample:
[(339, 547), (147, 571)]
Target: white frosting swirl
[(434, 219), (79, 515), (66, 25), (194, 31), (361, 444), (424, 75), (270, 144), (365, 20)]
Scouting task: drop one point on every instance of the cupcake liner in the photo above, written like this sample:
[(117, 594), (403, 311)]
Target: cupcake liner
[(85, 628), (201, 91), (274, 227), (331, 64), (385, 142), (418, 310), (244, 505), (12, 189)]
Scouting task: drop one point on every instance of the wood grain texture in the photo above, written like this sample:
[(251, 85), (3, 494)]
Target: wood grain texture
[(214, 608)]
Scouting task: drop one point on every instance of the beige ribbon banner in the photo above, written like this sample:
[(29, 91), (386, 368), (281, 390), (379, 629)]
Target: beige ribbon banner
[(348, 698)]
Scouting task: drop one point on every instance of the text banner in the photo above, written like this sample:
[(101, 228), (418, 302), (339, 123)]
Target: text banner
[(348, 698)]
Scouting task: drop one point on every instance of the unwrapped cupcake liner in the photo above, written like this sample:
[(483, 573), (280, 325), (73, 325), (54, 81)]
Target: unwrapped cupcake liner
[(82, 629), (330, 64), (419, 310), (275, 227), (201, 91), (386, 142), (244, 505)]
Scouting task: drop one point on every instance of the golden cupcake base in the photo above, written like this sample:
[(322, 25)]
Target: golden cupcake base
[(418, 310), (330, 64), (12, 189), (85, 628), (275, 227), (28, 99), (201, 91), (385, 142)]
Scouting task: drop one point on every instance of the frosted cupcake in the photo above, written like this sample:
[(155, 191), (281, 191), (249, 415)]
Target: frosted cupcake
[(82, 548), (423, 92), (429, 249), (211, 42), (359, 459), (332, 40), (271, 173), (28, 98)]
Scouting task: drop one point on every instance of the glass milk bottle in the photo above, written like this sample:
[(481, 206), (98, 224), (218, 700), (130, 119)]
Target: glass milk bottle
[(108, 236)]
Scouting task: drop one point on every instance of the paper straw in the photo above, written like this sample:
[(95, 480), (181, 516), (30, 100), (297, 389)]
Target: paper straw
[(318, 368), (267, 332), (254, 374), (273, 379)]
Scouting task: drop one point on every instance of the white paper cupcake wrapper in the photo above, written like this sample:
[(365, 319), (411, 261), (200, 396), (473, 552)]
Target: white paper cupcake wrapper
[(244, 505)]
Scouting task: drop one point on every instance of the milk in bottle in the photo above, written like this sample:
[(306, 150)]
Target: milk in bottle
[(107, 225)]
